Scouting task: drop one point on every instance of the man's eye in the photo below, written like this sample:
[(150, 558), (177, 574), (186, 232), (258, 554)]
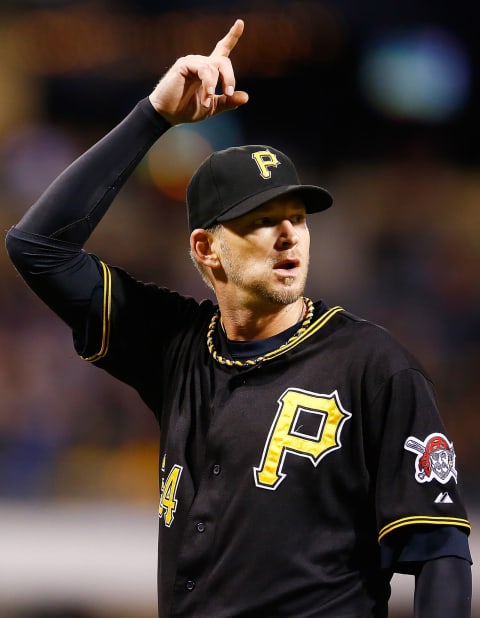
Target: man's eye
[(299, 218)]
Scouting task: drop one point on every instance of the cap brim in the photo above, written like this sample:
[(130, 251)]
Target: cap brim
[(315, 199)]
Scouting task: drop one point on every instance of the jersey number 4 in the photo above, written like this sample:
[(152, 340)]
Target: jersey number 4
[(168, 500)]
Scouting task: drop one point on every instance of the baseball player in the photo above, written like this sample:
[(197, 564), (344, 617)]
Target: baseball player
[(303, 458)]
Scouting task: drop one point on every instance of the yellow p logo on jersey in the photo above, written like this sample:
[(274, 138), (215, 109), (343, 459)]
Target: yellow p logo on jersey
[(264, 160), (286, 438)]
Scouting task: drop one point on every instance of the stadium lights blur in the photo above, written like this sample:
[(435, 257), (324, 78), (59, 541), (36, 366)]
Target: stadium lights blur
[(85, 39), (89, 38), (170, 162), (419, 75)]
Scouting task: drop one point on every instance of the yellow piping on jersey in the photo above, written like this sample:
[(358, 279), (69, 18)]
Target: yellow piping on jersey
[(107, 304), (107, 308), (313, 328), (423, 519)]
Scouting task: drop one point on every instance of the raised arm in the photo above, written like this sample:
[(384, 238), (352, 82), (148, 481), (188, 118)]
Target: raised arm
[(76, 201), (46, 244)]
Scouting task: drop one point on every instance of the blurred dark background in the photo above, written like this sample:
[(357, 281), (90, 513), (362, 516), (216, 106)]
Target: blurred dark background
[(377, 101)]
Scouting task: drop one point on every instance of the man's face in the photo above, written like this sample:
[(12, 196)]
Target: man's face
[(265, 253)]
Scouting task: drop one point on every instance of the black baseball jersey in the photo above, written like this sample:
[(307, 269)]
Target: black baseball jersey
[(290, 487), (272, 474)]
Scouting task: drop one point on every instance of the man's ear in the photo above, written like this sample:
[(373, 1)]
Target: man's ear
[(201, 246)]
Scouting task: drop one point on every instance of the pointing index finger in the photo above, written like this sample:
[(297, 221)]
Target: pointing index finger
[(226, 45)]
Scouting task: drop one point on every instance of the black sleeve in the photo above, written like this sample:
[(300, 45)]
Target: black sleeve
[(404, 550), (75, 202), (443, 587), (46, 245)]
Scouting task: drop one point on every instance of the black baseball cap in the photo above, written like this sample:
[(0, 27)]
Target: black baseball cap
[(234, 181)]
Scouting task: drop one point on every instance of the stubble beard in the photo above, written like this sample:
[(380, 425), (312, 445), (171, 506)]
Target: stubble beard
[(290, 292)]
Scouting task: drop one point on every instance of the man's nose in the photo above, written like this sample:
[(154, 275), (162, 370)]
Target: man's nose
[(287, 236)]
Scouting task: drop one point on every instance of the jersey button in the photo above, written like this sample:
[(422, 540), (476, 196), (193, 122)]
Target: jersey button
[(201, 526), (190, 585), (216, 469)]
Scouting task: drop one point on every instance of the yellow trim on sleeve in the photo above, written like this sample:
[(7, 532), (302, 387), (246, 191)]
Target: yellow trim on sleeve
[(107, 307), (423, 519)]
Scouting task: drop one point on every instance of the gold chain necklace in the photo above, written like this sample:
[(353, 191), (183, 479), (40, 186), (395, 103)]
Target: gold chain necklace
[(250, 362)]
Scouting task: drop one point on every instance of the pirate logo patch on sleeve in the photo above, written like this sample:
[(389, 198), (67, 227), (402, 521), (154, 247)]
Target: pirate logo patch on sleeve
[(435, 458)]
